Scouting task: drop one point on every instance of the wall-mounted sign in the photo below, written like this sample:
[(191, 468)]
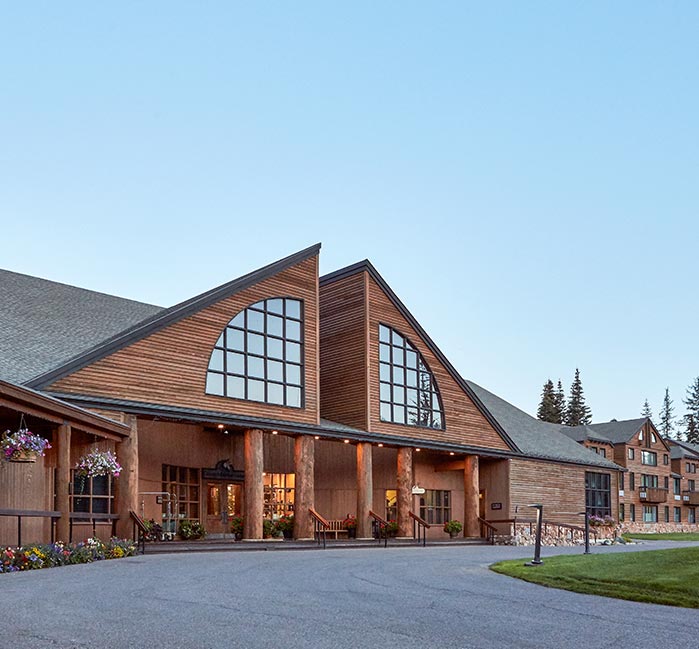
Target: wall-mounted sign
[(418, 490), (495, 505)]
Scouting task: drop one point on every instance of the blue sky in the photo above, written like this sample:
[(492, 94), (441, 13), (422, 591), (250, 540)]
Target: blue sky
[(523, 175)]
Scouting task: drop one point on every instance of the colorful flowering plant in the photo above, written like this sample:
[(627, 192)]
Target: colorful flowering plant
[(286, 523), (390, 529), (350, 522), (237, 524), (33, 557), (453, 527), (14, 445), (98, 463), (601, 521)]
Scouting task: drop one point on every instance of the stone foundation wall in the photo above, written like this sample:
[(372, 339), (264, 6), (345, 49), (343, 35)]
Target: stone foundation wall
[(658, 528)]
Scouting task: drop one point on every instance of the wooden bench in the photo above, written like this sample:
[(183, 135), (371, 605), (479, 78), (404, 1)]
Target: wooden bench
[(337, 528)]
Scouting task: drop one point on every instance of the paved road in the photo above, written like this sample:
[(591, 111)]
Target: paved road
[(403, 597)]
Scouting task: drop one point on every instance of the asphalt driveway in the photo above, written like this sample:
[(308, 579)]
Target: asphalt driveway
[(397, 597)]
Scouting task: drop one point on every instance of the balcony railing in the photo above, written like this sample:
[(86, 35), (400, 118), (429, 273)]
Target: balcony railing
[(653, 494), (690, 497)]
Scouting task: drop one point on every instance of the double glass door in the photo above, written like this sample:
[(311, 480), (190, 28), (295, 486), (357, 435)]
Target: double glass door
[(223, 501)]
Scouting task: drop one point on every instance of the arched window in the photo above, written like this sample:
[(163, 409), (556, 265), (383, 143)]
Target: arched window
[(259, 355), (407, 388)]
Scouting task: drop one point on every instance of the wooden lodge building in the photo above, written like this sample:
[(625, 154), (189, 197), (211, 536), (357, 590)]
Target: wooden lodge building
[(283, 391)]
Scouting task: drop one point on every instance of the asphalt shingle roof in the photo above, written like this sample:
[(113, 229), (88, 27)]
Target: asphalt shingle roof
[(618, 432), (537, 438), (43, 324)]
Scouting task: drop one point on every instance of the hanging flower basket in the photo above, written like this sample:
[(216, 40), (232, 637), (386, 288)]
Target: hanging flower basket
[(98, 463), (23, 446)]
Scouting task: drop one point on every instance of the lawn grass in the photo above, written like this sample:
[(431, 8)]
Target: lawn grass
[(658, 576), (668, 536)]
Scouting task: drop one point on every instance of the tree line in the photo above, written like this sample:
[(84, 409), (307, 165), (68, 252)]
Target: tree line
[(555, 408)]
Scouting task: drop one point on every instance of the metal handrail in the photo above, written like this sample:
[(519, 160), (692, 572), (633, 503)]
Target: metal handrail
[(320, 526), (31, 513), (379, 524), (421, 525), (489, 529)]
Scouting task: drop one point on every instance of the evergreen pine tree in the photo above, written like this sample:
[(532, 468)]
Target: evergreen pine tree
[(547, 407), (560, 400), (577, 413), (691, 419), (691, 428), (646, 411), (667, 427)]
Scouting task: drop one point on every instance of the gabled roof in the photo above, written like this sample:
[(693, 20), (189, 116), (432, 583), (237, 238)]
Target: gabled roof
[(619, 432), (585, 433), (44, 324), (367, 266), (679, 450), (536, 438), (166, 317)]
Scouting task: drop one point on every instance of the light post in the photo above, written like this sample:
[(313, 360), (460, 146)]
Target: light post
[(537, 543), (587, 531)]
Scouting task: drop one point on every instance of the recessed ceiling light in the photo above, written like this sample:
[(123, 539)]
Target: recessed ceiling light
[(451, 453), (220, 425), (275, 432), (346, 441), (380, 445), (317, 436)]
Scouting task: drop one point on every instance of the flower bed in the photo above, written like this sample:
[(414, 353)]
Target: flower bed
[(34, 557)]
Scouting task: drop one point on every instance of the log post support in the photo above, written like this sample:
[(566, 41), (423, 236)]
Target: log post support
[(63, 433), (404, 488), (304, 454), (365, 489), (254, 487), (127, 488), (471, 491)]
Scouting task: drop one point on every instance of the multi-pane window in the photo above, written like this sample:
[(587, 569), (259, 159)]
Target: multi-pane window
[(259, 355), (691, 515), (632, 512), (676, 486), (650, 514), (598, 494), (435, 506), (630, 454), (621, 512), (678, 514), (391, 505), (649, 481), (666, 459), (649, 457), (667, 514), (632, 481), (92, 495), (407, 388), (183, 483), (691, 484)]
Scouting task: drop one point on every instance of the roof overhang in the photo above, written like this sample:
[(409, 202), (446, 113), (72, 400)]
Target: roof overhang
[(57, 411)]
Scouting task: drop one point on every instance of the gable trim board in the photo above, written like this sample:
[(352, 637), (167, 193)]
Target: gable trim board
[(367, 266), (170, 316)]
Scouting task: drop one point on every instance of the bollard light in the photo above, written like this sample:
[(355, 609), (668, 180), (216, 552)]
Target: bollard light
[(537, 543)]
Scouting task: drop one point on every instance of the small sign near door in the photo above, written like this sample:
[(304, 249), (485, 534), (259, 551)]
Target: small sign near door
[(495, 505)]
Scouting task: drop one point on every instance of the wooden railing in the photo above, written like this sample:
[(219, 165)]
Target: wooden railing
[(488, 531), (320, 526), (690, 497), (31, 513), (140, 530), (421, 526), (652, 494), (379, 524), (82, 517)]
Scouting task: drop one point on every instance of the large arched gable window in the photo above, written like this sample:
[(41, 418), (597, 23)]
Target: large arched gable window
[(407, 388), (259, 355)]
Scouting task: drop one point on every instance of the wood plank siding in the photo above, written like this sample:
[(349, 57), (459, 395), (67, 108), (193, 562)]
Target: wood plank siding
[(559, 487), (169, 366), (343, 384), (465, 424)]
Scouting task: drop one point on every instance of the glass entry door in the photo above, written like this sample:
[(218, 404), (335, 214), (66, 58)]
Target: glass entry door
[(223, 501)]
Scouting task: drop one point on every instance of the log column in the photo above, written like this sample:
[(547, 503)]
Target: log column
[(365, 489), (127, 489), (63, 463), (471, 491), (405, 493), (254, 486), (304, 459)]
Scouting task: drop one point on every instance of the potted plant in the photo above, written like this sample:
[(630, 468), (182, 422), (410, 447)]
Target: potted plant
[(453, 528), (268, 528), (97, 463), (286, 526), (390, 530), (23, 446), (237, 527), (191, 530), (350, 524)]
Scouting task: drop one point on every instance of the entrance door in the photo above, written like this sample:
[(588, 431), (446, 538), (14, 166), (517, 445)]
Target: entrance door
[(223, 500)]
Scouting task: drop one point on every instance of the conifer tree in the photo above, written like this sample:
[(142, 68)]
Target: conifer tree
[(646, 411), (560, 400), (547, 407), (667, 426), (577, 413), (691, 419)]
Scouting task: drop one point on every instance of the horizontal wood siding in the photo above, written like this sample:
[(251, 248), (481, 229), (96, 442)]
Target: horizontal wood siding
[(169, 366), (559, 487), (465, 424), (343, 388)]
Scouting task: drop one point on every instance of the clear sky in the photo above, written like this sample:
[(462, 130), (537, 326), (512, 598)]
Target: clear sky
[(524, 175)]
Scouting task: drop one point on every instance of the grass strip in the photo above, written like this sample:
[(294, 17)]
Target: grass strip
[(668, 577)]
